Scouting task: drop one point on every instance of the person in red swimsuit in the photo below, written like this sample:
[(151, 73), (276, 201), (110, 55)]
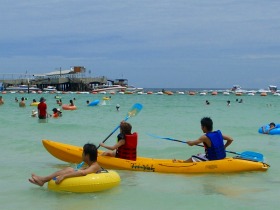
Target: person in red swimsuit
[(42, 109)]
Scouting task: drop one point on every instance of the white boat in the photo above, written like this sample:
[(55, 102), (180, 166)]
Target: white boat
[(22, 88), (102, 92), (159, 93), (237, 89), (251, 94), (226, 93), (272, 88), (50, 88), (133, 89), (263, 91), (181, 93), (109, 88)]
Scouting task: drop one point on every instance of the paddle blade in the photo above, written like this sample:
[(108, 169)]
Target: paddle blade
[(135, 109), (252, 155)]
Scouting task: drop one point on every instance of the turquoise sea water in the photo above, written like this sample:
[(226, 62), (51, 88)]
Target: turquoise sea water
[(178, 116)]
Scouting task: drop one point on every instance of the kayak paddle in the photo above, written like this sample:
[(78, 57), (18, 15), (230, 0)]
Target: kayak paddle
[(247, 154), (135, 109)]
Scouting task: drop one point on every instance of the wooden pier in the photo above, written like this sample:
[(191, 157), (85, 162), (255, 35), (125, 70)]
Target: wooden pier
[(71, 81)]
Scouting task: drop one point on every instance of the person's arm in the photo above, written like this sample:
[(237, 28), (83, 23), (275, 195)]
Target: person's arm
[(60, 178), (38, 108), (265, 132), (92, 169), (117, 145), (228, 139), (196, 142)]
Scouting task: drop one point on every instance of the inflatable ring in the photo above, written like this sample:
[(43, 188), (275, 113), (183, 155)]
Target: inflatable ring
[(274, 131), (90, 183), (94, 103), (106, 98), (67, 107), (34, 104)]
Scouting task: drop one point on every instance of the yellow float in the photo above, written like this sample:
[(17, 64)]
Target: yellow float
[(34, 103), (94, 182), (106, 98)]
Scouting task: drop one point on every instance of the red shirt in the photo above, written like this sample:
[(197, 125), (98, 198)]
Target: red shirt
[(42, 109)]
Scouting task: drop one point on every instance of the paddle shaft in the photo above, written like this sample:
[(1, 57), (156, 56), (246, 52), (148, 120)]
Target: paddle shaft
[(126, 118), (112, 133), (247, 154), (184, 142)]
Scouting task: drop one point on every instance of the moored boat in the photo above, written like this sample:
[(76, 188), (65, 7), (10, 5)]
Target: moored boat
[(108, 88), (50, 88), (73, 154), (23, 88)]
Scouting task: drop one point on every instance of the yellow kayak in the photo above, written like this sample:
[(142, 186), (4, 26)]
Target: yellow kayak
[(73, 154)]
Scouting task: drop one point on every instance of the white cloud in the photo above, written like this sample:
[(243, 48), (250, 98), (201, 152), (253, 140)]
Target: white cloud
[(181, 39)]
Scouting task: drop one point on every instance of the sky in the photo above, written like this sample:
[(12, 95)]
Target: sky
[(152, 43)]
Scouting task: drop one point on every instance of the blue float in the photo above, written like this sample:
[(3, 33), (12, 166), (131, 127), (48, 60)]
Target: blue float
[(94, 103), (274, 131)]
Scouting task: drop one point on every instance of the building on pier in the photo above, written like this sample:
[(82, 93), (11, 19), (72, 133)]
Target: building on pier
[(73, 79)]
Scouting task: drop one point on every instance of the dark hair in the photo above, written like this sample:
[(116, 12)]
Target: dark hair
[(125, 128), (207, 122), (272, 123), (91, 150)]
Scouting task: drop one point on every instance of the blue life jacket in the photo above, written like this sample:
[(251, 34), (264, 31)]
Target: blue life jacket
[(217, 149)]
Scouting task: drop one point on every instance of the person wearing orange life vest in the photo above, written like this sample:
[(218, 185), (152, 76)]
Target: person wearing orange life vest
[(126, 147), (55, 113)]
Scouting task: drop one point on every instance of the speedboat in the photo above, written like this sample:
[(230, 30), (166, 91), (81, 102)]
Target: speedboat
[(109, 88), (133, 89), (23, 88), (50, 88), (272, 88)]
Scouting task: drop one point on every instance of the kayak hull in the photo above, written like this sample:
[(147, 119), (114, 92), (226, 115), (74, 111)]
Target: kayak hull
[(73, 154)]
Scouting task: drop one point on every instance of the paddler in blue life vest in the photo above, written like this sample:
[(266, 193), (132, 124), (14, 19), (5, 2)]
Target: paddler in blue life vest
[(213, 142), (126, 146)]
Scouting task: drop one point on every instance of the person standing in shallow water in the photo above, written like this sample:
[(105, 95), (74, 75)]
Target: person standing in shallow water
[(1, 100), (228, 103), (118, 107), (22, 102), (42, 109)]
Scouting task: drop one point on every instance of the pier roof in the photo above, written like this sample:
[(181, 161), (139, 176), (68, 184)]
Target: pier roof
[(54, 73)]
